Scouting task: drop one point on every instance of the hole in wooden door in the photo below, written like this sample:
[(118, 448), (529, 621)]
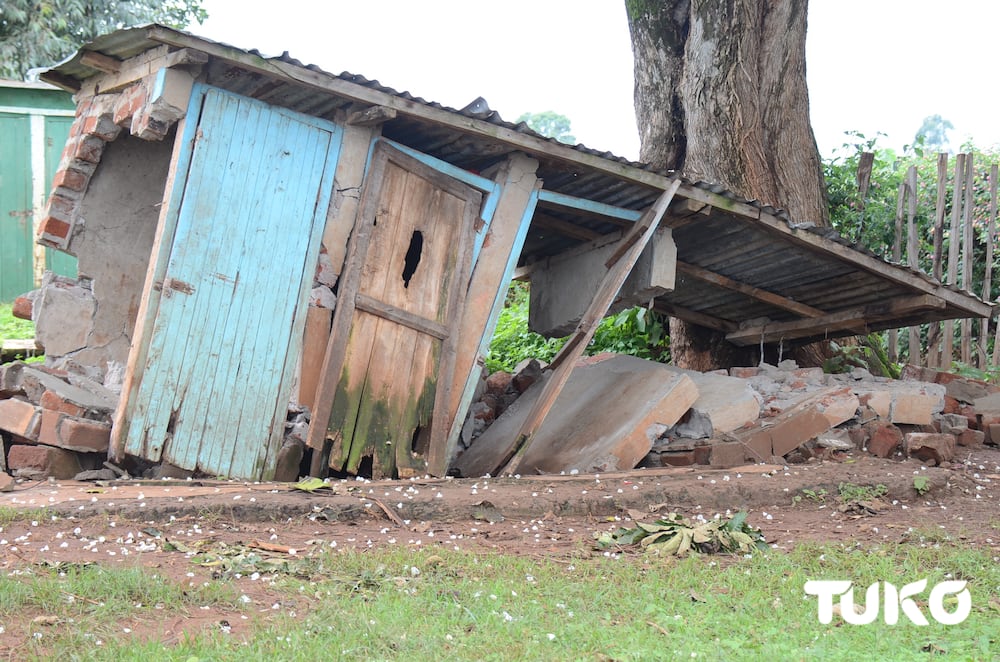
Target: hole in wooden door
[(412, 256), (421, 441)]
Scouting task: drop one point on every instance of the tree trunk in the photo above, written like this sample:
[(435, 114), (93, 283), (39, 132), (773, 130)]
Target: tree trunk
[(720, 96)]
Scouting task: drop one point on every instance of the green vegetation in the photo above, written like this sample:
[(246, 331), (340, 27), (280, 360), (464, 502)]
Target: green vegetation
[(39, 34), (635, 331), (11, 327), (849, 492), (439, 604), (550, 124)]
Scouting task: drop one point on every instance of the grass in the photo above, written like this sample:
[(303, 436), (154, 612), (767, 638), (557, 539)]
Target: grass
[(399, 603), (12, 328)]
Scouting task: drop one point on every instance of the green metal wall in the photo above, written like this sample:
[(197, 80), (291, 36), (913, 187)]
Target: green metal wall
[(17, 105)]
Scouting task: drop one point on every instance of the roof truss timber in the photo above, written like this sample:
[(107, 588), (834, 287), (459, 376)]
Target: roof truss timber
[(850, 319)]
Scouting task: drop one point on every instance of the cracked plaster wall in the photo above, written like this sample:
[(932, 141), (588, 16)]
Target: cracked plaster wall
[(89, 327)]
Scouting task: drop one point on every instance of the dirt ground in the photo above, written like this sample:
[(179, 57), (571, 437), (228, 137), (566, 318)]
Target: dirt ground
[(160, 524)]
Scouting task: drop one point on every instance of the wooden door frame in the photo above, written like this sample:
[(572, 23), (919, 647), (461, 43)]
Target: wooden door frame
[(334, 361), (163, 244)]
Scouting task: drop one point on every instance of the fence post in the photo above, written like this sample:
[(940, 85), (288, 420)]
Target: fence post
[(934, 335), (954, 241)]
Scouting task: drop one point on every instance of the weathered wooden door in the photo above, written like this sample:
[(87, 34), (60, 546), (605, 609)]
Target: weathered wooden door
[(392, 347), (212, 389)]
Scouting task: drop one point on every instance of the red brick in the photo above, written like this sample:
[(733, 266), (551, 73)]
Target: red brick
[(678, 458), (970, 438), (20, 418), (53, 228), (928, 446), (84, 435), (47, 433), (22, 308), (42, 461), (884, 439), (52, 400), (951, 405), (72, 433), (498, 382), (914, 373), (101, 126), (128, 104), (88, 148), (744, 373), (61, 206), (727, 454), (74, 180), (146, 126), (993, 434)]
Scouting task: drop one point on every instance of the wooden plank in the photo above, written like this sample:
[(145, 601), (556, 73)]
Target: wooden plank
[(982, 356), (754, 292), (844, 319), (400, 316), (101, 62), (487, 291), (991, 235), (573, 349), (897, 257), (245, 256), (694, 316), (964, 303), (393, 379), (340, 332), (590, 206), (967, 248), (564, 228), (314, 341), (934, 334), (344, 206), (954, 243), (166, 227), (912, 256), (372, 116), (141, 66), (863, 178)]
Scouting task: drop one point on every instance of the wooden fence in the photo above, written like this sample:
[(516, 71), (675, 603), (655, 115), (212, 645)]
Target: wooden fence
[(934, 345)]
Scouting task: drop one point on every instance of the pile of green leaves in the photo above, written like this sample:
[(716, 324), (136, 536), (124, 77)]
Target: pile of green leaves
[(678, 536)]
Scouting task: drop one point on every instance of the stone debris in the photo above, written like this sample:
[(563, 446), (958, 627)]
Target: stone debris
[(57, 422), (786, 414)]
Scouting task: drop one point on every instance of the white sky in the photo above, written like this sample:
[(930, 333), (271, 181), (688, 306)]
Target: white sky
[(873, 65)]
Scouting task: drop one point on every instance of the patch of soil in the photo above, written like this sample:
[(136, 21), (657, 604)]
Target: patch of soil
[(157, 524)]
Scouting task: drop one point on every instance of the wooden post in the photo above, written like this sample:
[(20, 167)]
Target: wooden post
[(897, 257), (864, 179), (912, 255), (934, 335), (991, 229), (967, 241), (954, 241), (564, 362)]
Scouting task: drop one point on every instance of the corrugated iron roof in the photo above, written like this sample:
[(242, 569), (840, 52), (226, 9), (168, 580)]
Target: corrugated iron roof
[(742, 242)]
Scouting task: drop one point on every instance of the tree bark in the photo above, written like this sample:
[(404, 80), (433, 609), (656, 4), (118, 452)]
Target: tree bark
[(720, 96)]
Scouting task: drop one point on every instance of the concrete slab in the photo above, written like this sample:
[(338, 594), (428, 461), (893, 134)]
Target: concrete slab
[(562, 288), (605, 419), (724, 404)]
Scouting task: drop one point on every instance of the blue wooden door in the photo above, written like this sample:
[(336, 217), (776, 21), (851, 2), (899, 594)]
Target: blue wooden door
[(214, 383)]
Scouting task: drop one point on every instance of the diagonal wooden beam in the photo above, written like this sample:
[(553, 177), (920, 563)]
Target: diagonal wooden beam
[(851, 319), (564, 362), (775, 300)]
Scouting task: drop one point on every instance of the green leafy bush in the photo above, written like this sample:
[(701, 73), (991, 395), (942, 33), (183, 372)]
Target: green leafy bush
[(636, 331)]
